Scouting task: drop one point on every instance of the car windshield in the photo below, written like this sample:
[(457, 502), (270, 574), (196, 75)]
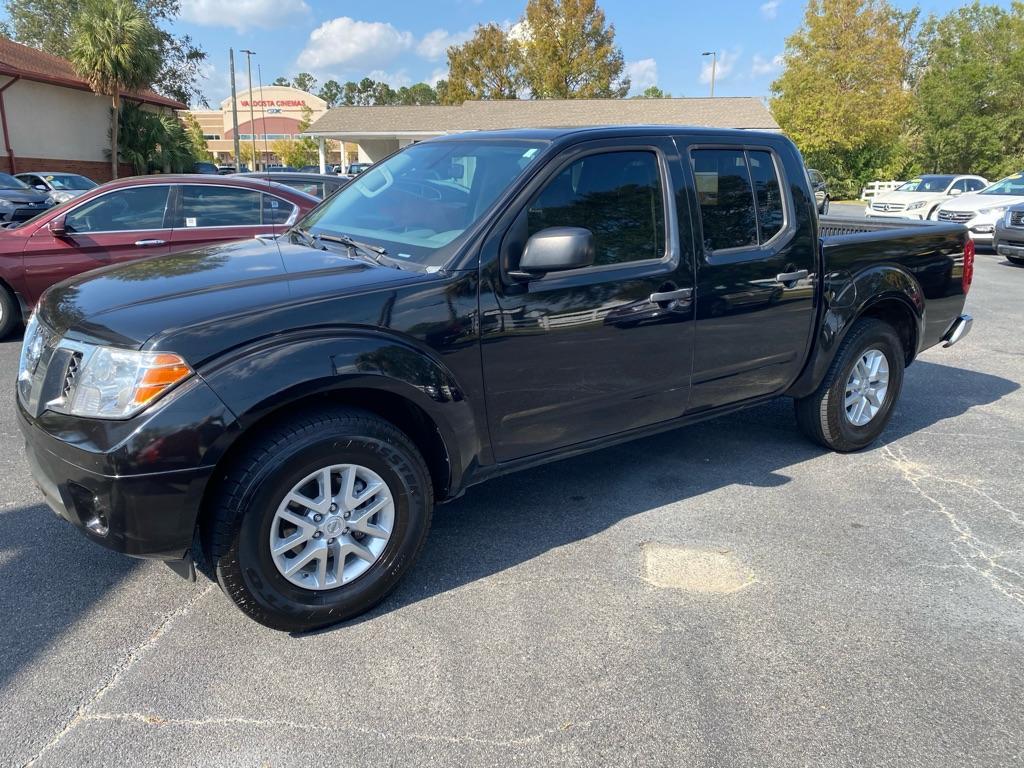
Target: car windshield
[(419, 202), (926, 184), (1011, 185), (69, 181), (9, 182)]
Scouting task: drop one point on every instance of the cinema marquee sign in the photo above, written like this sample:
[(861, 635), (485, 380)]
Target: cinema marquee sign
[(272, 103)]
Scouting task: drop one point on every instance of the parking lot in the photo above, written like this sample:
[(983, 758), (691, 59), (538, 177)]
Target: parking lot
[(726, 594)]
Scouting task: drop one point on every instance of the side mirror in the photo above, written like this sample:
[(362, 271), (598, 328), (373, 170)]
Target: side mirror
[(56, 226), (556, 249), (955, 192), (41, 187)]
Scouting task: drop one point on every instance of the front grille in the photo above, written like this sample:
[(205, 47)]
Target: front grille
[(960, 217), (887, 207), (70, 374), (1017, 218)]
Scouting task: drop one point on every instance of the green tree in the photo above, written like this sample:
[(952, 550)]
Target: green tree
[(304, 82), (282, 81), (969, 86), (570, 52), (488, 66), (199, 148), (653, 92), (115, 50), (156, 141), (48, 25), (845, 108), (331, 92), (418, 94)]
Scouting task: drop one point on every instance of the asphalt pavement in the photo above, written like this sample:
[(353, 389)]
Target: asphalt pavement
[(723, 595)]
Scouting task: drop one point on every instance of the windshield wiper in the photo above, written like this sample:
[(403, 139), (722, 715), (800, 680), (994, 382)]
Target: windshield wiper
[(374, 252)]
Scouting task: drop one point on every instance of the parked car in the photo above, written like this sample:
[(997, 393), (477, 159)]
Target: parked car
[(355, 169), (226, 170), (298, 406), (61, 187), (330, 169), (279, 169), (820, 189), (207, 168), (132, 218), (979, 212), (920, 198), (1008, 238), (19, 202), (311, 183)]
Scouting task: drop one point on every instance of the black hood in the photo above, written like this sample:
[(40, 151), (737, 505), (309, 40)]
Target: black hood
[(200, 290), (23, 195)]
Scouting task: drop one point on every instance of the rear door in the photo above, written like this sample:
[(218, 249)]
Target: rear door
[(121, 225), (586, 353), (755, 296), (210, 213)]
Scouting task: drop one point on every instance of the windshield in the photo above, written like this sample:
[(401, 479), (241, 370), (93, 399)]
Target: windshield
[(419, 202), (69, 181), (1011, 185), (926, 184), (9, 182)]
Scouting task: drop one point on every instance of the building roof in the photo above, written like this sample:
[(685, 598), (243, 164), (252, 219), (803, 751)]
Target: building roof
[(17, 60), (722, 112)]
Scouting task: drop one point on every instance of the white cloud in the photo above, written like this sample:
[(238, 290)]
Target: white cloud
[(764, 66), (724, 67), (395, 79), (435, 44), (441, 73), (243, 14), (348, 41), (642, 74), (770, 9)]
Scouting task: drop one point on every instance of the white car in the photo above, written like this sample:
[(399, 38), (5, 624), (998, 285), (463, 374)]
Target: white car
[(920, 197), (980, 212), (61, 187)]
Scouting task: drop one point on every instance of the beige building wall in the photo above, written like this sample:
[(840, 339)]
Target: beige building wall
[(66, 123)]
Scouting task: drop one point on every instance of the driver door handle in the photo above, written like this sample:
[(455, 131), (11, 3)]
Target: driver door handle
[(149, 243), (681, 296), (791, 277)]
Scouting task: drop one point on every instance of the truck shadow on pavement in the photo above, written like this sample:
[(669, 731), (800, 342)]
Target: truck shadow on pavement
[(513, 519), (51, 577)]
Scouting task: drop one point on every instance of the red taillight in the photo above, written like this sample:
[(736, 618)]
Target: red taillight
[(965, 281)]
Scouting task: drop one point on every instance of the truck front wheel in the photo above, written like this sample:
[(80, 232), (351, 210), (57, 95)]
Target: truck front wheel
[(854, 401), (319, 519)]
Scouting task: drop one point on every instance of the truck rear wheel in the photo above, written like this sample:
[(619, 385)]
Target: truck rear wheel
[(319, 520), (854, 401), (9, 312)]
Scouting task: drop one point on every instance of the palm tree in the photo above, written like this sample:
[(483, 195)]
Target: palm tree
[(115, 48)]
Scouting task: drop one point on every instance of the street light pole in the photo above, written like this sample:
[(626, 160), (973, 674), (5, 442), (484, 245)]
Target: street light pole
[(234, 112), (252, 115), (714, 68)]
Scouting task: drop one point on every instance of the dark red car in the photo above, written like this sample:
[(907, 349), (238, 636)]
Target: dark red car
[(132, 218)]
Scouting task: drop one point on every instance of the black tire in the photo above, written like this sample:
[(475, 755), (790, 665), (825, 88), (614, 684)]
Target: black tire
[(823, 209), (236, 526), (1015, 261), (10, 312), (822, 417)]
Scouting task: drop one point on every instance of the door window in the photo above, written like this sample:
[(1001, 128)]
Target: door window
[(974, 185), (961, 185), (617, 196), (207, 205), (135, 208), (740, 197), (276, 210)]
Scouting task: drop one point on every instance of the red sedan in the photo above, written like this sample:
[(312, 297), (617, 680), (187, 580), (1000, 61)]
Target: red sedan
[(132, 218)]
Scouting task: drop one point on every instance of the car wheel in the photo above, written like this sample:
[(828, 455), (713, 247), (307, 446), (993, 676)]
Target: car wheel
[(319, 520), (854, 401), (1015, 260), (10, 313)]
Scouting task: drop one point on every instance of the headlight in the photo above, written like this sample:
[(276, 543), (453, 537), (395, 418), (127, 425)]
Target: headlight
[(111, 383), (918, 204), (6, 203), (60, 197), (998, 210)]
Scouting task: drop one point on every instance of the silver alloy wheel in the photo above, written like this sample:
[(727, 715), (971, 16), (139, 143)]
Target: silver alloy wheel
[(332, 526), (866, 388)]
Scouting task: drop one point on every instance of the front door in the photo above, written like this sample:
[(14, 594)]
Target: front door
[(591, 352), (124, 224), (755, 277)]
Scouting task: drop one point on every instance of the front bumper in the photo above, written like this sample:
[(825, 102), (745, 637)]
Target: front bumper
[(135, 487), (916, 215)]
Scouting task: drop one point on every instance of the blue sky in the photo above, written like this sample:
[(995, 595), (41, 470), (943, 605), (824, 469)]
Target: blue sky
[(404, 42)]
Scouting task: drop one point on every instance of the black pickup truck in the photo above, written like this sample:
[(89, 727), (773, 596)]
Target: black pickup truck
[(287, 412)]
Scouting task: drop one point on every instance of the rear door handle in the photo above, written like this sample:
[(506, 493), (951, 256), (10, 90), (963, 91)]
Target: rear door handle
[(791, 277), (681, 296), (149, 243)]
